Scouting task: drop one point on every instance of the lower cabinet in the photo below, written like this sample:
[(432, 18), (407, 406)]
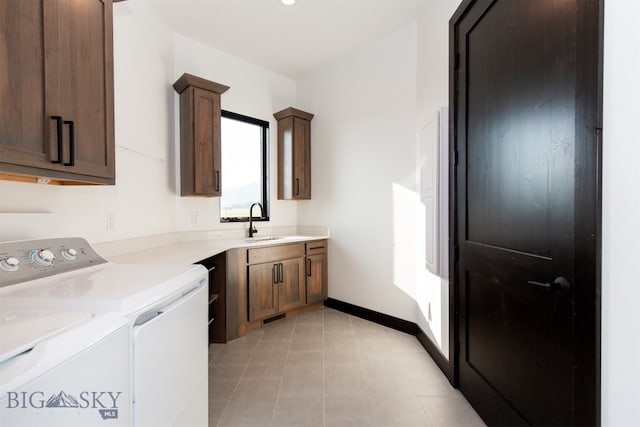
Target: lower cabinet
[(275, 287), (291, 289), (316, 271), (285, 277), (258, 284), (217, 267)]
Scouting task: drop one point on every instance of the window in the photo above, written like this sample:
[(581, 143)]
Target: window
[(244, 167)]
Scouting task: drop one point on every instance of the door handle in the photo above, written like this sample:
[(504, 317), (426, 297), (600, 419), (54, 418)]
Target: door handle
[(559, 283)]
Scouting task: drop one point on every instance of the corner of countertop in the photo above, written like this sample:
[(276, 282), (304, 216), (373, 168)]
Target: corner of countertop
[(118, 249)]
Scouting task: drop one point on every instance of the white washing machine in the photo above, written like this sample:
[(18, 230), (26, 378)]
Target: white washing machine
[(165, 306), (64, 369)]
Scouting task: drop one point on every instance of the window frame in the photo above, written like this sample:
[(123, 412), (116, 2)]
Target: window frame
[(265, 165)]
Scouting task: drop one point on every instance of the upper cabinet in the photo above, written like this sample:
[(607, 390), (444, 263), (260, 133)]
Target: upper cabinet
[(199, 135), (294, 154), (56, 87)]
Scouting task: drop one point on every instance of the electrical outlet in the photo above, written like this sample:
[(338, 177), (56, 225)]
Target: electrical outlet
[(111, 221)]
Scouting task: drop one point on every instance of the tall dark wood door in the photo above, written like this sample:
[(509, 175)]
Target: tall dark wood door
[(525, 77)]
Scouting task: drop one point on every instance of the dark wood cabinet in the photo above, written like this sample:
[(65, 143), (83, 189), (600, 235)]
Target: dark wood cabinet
[(316, 271), (277, 285), (294, 154), (291, 289), (217, 267), (262, 283), (56, 86), (263, 288), (200, 148)]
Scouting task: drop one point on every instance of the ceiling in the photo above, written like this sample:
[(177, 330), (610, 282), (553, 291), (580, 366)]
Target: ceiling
[(290, 40)]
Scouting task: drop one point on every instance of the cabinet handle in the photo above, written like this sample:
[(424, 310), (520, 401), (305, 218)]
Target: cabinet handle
[(72, 143), (217, 180), (58, 120), (281, 273), (309, 267), (297, 186), (273, 273)]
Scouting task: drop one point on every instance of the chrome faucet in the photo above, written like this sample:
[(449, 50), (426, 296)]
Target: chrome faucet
[(252, 230)]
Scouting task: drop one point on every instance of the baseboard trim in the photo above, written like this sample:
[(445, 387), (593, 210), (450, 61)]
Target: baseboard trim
[(397, 324), (435, 354), (373, 316)]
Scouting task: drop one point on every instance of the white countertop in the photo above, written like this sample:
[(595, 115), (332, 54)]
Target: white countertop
[(189, 247)]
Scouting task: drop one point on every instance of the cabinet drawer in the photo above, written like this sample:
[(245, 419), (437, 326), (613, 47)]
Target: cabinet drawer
[(275, 253), (316, 247)]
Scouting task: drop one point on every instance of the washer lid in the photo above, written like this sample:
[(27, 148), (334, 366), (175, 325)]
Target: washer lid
[(22, 330), (119, 288)]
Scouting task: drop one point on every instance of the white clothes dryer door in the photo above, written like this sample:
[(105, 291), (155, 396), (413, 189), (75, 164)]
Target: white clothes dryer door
[(170, 363)]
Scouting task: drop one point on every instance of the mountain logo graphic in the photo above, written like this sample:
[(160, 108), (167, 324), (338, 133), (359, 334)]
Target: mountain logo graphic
[(62, 400)]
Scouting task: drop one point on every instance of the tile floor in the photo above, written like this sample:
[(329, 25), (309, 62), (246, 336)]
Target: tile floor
[(327, 368)]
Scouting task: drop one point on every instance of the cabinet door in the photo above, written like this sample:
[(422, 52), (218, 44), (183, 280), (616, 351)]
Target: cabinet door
[(56, 60), (263, 291), (291, 292), (207, 137), (301, 158), (316, 278), (78, 46), (22, 132)]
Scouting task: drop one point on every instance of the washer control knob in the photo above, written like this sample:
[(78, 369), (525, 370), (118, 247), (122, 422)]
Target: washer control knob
[(43, 258), (10, 264), (69, 254)]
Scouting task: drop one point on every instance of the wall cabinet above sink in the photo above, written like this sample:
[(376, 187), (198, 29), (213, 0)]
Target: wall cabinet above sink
[(200, 145), (294, 154)]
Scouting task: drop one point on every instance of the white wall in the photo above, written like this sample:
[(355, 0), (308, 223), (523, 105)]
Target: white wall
[(433, 92), (363, 171), (370, 107), (148, 58), (621, 213)]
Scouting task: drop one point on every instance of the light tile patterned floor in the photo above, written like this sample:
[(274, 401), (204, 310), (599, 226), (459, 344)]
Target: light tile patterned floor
[(327, 368)]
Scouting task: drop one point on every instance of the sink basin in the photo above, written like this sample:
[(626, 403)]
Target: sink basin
[(263, 239)]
